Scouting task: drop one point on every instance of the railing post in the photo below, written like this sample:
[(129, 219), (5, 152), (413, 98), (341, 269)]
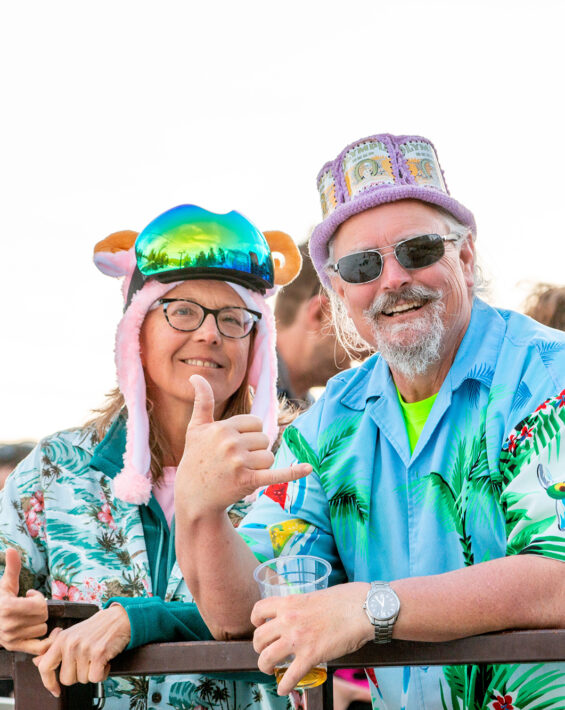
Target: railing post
[(28, 688)]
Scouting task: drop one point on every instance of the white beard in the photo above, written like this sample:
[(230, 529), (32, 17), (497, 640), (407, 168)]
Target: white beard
[(409, 348)]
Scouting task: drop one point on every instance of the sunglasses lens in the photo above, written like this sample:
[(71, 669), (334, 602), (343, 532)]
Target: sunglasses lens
[(419, 252), (360, 268)]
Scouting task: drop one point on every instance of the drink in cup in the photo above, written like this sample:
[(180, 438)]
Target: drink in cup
[(294, 574)]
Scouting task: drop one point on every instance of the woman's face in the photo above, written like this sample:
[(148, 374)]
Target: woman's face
[(170, 356)]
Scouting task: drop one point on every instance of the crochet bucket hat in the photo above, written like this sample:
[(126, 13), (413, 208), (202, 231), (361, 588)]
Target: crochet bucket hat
[(373, 171), (188, 242)]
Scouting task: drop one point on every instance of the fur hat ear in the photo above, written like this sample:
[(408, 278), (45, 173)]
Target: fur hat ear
[(114, 255), (286, 257)]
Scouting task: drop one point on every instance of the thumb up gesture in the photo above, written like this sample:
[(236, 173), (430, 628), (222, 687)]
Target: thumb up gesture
[(23, 620), (225, 460)]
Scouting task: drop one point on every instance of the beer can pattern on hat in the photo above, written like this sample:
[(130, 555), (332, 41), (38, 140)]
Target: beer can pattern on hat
[(326, 187), (366, 165), (422, 161)]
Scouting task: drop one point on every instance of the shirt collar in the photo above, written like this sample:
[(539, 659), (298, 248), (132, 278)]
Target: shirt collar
[(475, 359), (108, 456)]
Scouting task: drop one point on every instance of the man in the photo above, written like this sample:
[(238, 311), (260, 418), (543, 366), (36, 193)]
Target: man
[(406, 491), (307, 348)]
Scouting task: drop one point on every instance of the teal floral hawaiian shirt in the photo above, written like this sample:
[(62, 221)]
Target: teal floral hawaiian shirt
[(79, 543)]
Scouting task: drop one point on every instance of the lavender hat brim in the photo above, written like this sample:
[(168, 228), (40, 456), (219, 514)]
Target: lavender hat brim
[(395, 177), (326, 229)]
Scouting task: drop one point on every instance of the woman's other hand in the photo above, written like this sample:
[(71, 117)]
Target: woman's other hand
[(23, 620), (83, 652)]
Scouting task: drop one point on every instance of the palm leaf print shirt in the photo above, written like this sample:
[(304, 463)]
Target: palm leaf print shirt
[(376, 511)]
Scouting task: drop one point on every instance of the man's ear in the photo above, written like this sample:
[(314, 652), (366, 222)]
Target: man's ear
[(467, 257), (315, 310)]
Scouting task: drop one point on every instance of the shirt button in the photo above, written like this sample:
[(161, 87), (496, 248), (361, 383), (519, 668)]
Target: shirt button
[(156, 698)]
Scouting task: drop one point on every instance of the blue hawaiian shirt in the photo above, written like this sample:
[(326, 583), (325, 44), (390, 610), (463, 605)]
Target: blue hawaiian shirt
[(376, 511)]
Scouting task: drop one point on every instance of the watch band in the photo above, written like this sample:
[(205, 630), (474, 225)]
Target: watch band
[(383, 631), (383, 627)]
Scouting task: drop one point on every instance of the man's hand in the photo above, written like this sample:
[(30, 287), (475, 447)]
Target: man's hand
[(224, 461), (84, 651), (23, 620), (314, 627)]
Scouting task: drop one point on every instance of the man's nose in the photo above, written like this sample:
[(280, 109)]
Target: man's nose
[(393, 275)]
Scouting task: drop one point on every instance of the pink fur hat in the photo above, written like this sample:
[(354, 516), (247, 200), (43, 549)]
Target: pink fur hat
[(116, 256)]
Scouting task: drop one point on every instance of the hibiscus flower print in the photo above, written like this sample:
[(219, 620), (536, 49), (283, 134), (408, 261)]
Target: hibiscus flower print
[(510, 444), (93, 591), (33, 510), (68, 593), (37, 502), (33, 523), (503, 702), (526, 433), (105, 516)]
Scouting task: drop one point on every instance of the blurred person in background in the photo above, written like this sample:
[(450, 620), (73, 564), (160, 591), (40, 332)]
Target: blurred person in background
[(10, 457), (308, 350), (546, 304), (88, 515)]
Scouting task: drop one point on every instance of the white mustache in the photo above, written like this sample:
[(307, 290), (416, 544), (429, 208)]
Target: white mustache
[(387, 301)]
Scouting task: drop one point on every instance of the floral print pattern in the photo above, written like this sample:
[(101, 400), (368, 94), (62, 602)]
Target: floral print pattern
[(79, 543)]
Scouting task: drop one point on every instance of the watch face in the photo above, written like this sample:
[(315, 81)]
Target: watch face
[(383, 604)]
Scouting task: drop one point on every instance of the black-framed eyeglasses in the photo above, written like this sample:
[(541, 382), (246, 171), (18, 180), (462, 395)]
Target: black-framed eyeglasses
[(414, 253), (231, 321)]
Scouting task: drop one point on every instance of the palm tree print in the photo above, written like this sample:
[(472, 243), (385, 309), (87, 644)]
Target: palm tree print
[(220, 695), (138, 692), (348, 494), (482, 687)]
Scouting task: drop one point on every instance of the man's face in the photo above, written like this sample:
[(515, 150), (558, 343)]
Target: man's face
[(414, 317)]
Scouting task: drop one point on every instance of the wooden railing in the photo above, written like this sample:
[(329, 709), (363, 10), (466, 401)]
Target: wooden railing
[(214, 656)]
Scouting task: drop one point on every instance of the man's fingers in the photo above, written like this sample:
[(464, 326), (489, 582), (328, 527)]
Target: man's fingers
[(265, 634), (203, 410), (293, 675), (10, 580), (264, 609)]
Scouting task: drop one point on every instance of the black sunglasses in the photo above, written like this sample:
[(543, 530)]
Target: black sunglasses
[(414, 253)]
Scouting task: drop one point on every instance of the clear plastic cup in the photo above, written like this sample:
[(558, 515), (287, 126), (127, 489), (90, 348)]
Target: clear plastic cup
[(294, 574)]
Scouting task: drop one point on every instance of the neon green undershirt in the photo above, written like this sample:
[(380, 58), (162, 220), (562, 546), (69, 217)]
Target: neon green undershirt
[(415, 415)]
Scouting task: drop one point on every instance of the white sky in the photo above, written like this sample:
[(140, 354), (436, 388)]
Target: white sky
[(112, 112)]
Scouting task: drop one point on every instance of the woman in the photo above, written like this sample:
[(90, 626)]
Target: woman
[(90, 511)]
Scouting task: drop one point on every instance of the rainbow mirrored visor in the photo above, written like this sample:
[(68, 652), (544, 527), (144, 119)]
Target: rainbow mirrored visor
[(188, 242)]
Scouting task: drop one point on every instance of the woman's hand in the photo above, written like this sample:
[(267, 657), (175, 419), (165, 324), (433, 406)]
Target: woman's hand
[(23, 620), (84, 651), (224, 461), (315, 628)]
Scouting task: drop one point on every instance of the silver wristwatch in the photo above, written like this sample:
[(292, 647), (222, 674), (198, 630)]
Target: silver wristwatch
[(382, 606)]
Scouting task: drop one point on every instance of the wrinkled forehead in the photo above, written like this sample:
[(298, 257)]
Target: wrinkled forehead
[(385, 225)]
